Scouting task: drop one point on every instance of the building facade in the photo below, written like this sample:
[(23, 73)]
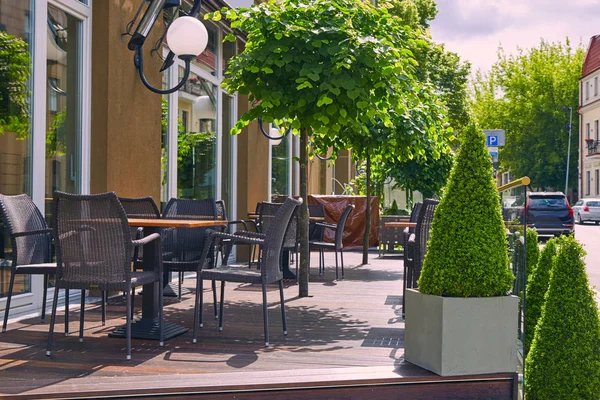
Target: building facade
[(589, 114), (75, 117)]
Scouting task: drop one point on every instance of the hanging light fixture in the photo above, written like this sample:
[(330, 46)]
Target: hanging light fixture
[(186, 37)]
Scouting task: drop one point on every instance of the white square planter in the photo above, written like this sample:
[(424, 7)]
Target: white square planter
[(461, 336)]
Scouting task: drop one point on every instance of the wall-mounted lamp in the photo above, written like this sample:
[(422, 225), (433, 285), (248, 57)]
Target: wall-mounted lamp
[(186, 37)]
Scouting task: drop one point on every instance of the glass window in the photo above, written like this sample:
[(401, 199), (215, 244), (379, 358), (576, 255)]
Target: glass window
[(280, 167), (15, 119), (197, 145), (587, 130), (587, 183), (228, 52), (208, 60)]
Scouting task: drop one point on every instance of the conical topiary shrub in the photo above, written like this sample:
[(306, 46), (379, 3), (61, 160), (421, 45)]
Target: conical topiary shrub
[(537, 286), (564, 360), (533, 251), (467, 253)]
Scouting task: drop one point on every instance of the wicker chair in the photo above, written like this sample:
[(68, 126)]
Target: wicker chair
[(337, 245), (316, 232), (416, 247), (31, 242), (271, 246), (182, 247), (268, 216), (94, 248)]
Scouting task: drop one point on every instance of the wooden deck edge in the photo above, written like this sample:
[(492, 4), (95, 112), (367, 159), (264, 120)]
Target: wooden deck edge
[(296, 384)]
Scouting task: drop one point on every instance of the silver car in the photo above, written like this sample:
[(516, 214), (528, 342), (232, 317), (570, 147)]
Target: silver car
[(587, 210)]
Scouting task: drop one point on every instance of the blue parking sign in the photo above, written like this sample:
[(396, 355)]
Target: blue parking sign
[(492, 140)]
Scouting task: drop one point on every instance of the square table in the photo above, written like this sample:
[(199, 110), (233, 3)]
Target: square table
[(147, 326)]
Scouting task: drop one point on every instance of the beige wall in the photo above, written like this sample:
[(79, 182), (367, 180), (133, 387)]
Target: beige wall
[(590, 162), (126, 129)]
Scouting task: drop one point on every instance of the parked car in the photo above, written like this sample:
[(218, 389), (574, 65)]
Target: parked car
[(549, 213), (587, 210)]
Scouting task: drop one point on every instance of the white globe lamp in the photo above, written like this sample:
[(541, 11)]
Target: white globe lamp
[(187, 37)]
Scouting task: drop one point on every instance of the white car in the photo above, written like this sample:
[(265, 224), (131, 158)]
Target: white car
[(587, 210)]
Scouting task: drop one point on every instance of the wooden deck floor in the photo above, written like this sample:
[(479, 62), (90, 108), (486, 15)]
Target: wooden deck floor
[(346, 331)]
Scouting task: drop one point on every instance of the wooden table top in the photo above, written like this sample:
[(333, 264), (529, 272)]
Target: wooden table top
[(400, 224), (175, 223)]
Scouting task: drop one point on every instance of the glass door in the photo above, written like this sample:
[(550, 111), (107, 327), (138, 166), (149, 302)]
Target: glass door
[(63, 104)]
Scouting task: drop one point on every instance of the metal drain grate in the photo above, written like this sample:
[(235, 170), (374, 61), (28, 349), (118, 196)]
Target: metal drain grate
[(393, 301), (384, 337)]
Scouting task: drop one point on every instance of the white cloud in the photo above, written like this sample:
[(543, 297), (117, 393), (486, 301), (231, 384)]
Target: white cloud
[(476, 28)]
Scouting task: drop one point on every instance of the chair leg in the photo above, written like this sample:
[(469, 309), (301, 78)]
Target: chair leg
[(297, 266), (67, 312), (104, 295), (10, 290), (82, 313), (214, 290), (128, 322), (283, 320), (132, 302), (221, 306), (198, 306), (161, 303), (342, 259), (265, 314), (52, 321), (44, 298), (179, 285), (336, 265)]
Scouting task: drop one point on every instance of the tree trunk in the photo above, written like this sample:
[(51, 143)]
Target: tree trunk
[(365, 259), (303, 226)]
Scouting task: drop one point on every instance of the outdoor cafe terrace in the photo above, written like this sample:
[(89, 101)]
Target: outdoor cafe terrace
[(344, 341)]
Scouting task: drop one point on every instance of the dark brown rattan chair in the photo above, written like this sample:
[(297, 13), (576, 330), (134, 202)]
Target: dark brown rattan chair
[(143, 208), (94, 248), (408, 256), (268, 216), (316, 232), (416, 247), (182, 247), (270, 271), (337, 245), (31, 242)]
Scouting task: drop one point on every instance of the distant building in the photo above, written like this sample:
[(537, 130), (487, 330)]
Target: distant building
[(589, 129)]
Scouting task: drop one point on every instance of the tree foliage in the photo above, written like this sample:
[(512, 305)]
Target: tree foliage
[(564, 360), (525, 94), (467, 253), (15, 69)]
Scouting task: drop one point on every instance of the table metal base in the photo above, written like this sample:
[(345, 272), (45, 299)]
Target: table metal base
[(148, 329), (172, 290)]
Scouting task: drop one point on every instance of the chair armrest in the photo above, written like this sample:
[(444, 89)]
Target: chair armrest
[(326, 225), (251, 234), (31, 233), (146, 239), (239, 222)]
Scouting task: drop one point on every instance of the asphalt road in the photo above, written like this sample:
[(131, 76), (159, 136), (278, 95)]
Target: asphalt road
[(589, 236)]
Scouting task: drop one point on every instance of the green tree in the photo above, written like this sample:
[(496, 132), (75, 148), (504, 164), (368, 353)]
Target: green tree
[(15, 69), (525, 95), (320, 66), (564, 360), (537, 286), (467, 254)]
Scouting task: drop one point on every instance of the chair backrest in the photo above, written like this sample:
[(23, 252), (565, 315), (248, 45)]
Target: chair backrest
[(268, 216), (221, 210), (339, 232), (186, 244), (20, 214), (423, 232), (316, 231), (93, 241), (270, 266), (141, 207)]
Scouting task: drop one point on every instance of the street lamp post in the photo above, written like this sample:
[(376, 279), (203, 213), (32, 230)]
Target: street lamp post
[(570, 110)]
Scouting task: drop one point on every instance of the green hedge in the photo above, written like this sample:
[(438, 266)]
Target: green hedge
[(533, 251), (537, 286), (564, 360), (467, 254)]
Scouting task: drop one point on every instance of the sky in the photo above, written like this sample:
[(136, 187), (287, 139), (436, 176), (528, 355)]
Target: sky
[(476, 28)]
